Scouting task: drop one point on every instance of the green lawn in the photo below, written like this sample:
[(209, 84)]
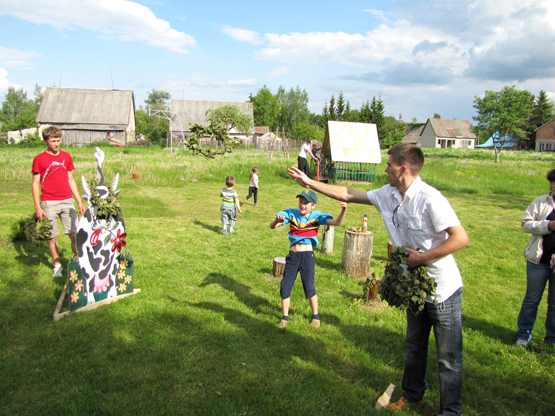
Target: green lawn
[(201, 338)]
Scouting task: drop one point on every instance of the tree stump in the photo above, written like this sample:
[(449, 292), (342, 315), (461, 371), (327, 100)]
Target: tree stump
[(357, 253), (327, 239), (279, 266)]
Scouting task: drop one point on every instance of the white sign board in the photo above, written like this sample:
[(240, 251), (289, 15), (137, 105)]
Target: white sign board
[(354, 142)]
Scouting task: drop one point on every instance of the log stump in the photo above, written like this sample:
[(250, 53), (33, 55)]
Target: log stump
[(279, 266), (327, 239), (357, 253)]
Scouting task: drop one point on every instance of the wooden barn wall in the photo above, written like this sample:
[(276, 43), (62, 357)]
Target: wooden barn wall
[(85, 137)]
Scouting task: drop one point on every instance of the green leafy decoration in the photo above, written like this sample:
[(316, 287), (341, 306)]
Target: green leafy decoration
[(406, 292), (110, 205), (219, 132), (37, 232)]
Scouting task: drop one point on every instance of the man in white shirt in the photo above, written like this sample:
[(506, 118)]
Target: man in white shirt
[(419, 216), (303, 153)]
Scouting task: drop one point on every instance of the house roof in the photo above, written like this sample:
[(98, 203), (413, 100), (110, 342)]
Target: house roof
[(194, 112), (352, 142), (454, 129), (413, 133), (544, 124), (83, 106)]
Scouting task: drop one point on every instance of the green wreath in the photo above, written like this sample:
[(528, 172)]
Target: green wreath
[(110, 205), (406, 292), (37, 232)]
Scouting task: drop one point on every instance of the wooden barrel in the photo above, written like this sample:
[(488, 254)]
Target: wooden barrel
[(357, 253)]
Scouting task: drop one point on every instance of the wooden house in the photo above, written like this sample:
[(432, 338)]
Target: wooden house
[(545, 137), (87, 116), (440, 133)]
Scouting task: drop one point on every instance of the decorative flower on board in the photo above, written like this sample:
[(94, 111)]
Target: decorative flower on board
[(119, 241), (73, 276), (122, 287), (121, 274), (123, 264), (128, 279), (79, 285), (74, 297), (94, 237)]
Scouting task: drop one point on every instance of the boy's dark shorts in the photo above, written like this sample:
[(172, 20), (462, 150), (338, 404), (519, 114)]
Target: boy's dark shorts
[(298, 261)]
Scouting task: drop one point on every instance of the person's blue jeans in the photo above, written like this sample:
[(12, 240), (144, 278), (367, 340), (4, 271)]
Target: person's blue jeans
[(537, 276), (446, 320)]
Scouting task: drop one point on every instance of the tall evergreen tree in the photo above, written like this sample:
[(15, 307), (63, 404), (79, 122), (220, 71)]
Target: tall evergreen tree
[(542, 112), (332, 111), (341, 107)]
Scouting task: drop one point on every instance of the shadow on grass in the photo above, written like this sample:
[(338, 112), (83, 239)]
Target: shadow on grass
[(215, 228), (490, 330)]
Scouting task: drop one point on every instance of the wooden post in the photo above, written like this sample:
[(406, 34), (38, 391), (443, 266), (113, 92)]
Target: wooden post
[(327, 239), (279, 266), (357, 253), (389, 248)]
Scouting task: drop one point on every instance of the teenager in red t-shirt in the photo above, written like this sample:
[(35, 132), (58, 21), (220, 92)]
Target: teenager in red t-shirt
[(52, 173)]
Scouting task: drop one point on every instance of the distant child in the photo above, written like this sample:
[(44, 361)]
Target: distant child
[(253, 186), (52, 174), (230, 201), (303, 235)]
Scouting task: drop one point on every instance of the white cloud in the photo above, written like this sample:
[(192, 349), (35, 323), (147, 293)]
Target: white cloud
[(242, 35), (436, 42), (250, 81), (4, 83), (279, 72), (120, 19), (7, 53)]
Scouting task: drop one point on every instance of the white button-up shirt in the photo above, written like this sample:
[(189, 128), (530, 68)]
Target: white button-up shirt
[(419, 221)]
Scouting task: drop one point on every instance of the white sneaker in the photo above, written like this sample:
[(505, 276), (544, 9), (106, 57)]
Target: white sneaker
[(522, 343), (57, 270), (224, 232), (231, 230)]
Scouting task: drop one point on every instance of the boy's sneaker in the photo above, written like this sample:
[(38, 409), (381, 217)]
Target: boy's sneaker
[(57, 270), (231, 230), (224, 232), (522, 343)]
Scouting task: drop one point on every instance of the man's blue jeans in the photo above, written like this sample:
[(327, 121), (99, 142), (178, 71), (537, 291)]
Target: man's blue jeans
[(537, 276), (446, 320)]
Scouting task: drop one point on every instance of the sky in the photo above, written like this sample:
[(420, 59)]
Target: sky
[(421, 57)]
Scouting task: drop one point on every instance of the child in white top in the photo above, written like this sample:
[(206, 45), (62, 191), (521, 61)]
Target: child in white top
[(253, 186)]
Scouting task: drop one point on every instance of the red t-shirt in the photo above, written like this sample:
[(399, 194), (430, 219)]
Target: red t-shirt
[(53, 175)]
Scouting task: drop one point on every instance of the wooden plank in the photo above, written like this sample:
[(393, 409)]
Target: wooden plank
[(58, 316)]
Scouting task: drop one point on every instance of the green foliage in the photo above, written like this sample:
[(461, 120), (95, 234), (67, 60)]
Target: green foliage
[(159, 100), (107, 206), (436, 115), (19, 112), (505, 112), (293, 109), (308, 131), (30, 229), (226, 143), (153, 128), (405, 291), (229, 117), (31, 140), (265, 108), (542, 112)]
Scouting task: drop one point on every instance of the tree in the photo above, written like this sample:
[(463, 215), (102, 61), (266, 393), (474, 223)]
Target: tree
[(159, 100), (436, 115), (309, 131), (155, 129), (378, 118), (293, 109), (230, 117), (341, 107), (19, 112), (504, 113), (265, 108), (542, 112), (393, 132)]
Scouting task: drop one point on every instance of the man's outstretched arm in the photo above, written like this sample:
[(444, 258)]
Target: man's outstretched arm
[(341, 193)]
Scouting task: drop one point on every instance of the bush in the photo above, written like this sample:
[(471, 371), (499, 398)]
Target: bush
[(141, 143)]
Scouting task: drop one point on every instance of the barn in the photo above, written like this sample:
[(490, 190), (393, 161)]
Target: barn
[(350, 152), (87, 115), (440, 133)]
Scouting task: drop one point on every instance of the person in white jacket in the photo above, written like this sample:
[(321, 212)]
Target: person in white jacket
[(539, 221)]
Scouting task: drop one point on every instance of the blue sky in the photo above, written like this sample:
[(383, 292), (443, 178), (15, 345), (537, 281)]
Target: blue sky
[(422, 57)]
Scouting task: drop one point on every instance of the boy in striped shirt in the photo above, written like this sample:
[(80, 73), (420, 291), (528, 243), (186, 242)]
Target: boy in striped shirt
[(229, 202), (303, 235)]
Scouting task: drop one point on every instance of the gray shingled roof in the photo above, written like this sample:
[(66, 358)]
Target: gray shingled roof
[(83, 106), (452, 128), (194, 112), (412, 134)]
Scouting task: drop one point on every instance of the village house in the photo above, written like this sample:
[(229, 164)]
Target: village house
[(445, 133), (88, 115), (545, 137)]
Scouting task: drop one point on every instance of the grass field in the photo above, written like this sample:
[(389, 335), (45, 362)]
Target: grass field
[(201, 338)]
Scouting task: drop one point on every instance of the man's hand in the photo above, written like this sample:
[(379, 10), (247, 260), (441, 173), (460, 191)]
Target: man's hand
[(299, 177), (416, 258)]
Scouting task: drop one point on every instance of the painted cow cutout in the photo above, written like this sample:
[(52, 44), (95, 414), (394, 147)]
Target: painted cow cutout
[(100, 239)]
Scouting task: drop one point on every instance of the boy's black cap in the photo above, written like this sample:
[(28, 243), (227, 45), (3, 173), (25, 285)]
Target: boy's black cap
[(309, 195)]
